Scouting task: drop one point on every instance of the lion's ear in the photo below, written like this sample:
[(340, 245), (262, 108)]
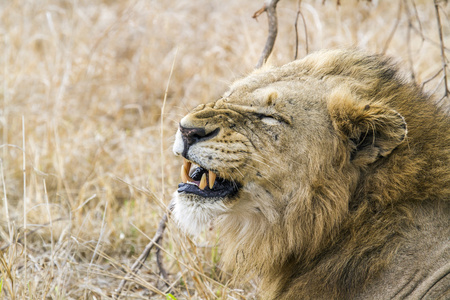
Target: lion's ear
[(373, 130)]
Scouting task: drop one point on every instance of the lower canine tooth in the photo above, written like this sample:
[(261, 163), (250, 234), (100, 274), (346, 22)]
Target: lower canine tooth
[(202, 184), (212, 179)]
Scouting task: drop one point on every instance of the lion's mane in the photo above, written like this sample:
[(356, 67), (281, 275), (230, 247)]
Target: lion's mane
[(366, 200)]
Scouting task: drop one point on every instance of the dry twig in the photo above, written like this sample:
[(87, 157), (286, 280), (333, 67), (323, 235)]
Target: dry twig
[(140, 261), (408, 43), (425, 82), (338, 2), (270, 7), (161, 268), (444, 58), (394, 29), (299, 13)]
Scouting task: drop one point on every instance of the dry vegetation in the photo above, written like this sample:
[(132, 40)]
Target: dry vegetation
[(86, 170)]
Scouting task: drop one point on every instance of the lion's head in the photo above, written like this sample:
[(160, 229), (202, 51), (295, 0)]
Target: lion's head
[(290, 156)]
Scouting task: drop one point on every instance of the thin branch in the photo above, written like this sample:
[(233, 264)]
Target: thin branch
[(259, 12), (437, 86), (419, 30), (425, 82), (161, 268), (408, 43), (444, 59), (140, 261), (338, 2), (299, 13), (417, 17), (270, 7), (425, 38), (296, 30), (394, 29)]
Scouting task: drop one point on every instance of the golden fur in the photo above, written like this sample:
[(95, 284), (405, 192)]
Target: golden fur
[(344, 174)]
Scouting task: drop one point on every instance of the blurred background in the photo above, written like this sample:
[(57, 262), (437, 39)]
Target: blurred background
[(91, 93)]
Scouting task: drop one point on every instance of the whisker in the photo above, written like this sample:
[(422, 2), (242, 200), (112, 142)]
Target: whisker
[(264, 177), (261, 159), (278, 166), (242, 175)]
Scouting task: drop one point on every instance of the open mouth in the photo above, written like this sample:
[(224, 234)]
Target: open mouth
[(204, 183)]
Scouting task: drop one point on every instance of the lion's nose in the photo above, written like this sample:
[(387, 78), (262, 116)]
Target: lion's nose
[(192, 136)]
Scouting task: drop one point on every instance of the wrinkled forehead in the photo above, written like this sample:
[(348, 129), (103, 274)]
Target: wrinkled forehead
[(255, 81), (274, 88)]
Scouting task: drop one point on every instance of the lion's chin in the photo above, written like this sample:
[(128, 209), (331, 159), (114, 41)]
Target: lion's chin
[(193, 212)]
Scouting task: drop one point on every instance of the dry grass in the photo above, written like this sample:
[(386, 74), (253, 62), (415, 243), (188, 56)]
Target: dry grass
[(82, 89)]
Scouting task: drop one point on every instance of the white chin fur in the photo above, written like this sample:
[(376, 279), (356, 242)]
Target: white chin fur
[(192, 216)]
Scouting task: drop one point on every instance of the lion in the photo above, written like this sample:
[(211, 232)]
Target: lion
[(328, 178)]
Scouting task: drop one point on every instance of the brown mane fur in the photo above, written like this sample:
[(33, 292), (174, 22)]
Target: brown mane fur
[(327, 222), (347, 242)]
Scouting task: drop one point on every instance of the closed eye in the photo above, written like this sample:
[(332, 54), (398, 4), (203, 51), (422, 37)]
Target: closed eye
[(268, 120), (273, 119)]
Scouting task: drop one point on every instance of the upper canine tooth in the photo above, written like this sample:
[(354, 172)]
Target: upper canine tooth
[(202, 184), (212, 179), (187, 165), (184, 174)]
